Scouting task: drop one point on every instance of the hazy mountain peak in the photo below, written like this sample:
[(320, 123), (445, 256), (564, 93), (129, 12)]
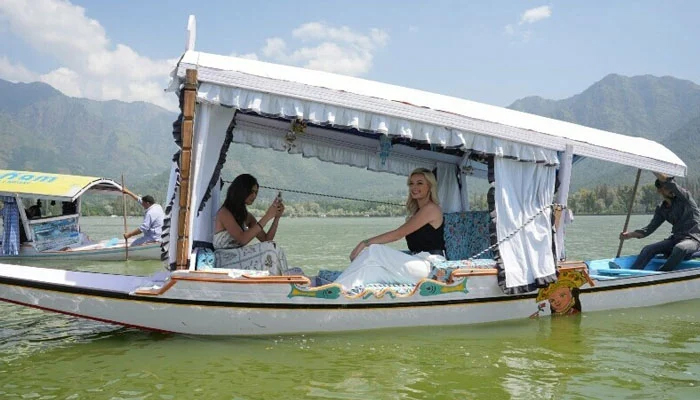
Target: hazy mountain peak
[(19, 95)]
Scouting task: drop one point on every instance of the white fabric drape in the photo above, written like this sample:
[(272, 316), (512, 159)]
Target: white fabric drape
[(211, 126), (522, 191), (466, 206), (342, 117), (314, 143), (449, 191)]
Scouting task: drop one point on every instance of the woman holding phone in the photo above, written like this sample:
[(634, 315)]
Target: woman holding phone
[(235, 228)]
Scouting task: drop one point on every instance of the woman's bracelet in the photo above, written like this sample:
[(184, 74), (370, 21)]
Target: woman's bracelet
[(366, 242)]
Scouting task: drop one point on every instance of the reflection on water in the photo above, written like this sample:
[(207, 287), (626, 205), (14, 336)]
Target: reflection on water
[(637, 353)]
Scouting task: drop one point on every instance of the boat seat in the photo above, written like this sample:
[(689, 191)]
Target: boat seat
[(467, 234)]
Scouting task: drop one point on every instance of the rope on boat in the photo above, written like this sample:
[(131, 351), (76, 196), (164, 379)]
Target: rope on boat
[(511, 234), (329, 195)]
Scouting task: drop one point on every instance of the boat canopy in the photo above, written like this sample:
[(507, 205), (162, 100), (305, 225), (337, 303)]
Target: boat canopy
[(388, 128), (53, 186), (345, 102)]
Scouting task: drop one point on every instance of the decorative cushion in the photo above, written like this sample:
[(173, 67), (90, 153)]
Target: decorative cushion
[(326, 276), (205, 259), (467, 234)]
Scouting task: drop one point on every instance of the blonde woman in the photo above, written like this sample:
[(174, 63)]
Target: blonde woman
[(423, 230)]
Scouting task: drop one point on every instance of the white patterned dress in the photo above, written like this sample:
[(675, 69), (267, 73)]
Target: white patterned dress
[(263, 256)]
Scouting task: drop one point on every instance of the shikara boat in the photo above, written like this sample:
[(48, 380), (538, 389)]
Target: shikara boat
[(506, 263), (59, 236)]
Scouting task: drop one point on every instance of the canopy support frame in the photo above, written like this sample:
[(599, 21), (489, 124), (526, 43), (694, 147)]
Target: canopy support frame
[(183, 230)]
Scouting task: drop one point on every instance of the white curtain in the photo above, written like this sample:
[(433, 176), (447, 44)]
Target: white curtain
[(211, 125), (523, 189), (449, 192)]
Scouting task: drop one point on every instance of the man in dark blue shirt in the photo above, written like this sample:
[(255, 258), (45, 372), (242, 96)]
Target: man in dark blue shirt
[(680, 210)]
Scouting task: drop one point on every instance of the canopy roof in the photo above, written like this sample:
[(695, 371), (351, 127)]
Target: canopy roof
[(53, 186), (344, 102)]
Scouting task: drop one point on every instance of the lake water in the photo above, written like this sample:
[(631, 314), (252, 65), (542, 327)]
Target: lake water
[(646, 353)]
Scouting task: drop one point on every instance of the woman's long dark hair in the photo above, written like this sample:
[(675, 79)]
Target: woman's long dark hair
[(237, 192)]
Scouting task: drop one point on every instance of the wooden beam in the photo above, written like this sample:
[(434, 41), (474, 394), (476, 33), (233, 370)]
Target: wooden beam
[(183, 231)]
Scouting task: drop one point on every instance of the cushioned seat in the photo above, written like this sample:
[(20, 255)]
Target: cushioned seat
[(467, 234)]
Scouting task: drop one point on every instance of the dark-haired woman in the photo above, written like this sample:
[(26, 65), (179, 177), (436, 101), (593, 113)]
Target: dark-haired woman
[(235, 228)]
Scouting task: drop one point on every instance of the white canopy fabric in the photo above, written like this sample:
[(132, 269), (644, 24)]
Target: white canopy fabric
[(338, 100)]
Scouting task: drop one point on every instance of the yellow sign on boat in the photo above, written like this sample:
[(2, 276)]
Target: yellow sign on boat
[(51, 186)]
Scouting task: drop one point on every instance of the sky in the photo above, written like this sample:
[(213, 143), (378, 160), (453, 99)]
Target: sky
[(491, 51)]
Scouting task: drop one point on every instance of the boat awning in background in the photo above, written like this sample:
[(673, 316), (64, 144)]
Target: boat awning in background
[(52, 186)]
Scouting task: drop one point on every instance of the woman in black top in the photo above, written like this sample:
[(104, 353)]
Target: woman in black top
[(423, 231), (424, 226)]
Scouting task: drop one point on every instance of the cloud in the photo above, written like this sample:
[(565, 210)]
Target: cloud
[(90, 66), (65, 80), (328, 48), (528, 17), (15, 72), (535, 14)]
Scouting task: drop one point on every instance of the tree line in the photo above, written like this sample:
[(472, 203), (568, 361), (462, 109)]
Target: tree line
[(602, 199), (611, 199)]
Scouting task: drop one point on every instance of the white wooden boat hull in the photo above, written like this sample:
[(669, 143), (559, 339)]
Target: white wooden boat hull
[(214, 304), (149, 251)]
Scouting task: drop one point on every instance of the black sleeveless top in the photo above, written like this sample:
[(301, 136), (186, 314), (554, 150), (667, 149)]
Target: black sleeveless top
[(427, 239)]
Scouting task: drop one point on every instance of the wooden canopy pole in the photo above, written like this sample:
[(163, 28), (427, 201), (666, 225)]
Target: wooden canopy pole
[(183, 235), (126, 241), (629, 211)]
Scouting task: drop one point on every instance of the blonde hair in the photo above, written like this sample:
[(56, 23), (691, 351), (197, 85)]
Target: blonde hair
[(412, 204)]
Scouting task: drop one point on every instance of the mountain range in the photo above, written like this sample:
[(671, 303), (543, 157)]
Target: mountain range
[(43, 130), (663, 109)]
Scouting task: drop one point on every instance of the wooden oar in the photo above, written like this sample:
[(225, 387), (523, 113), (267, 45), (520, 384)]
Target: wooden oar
[(629, 211), (126, 241)]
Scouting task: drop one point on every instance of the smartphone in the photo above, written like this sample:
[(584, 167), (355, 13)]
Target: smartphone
[(279, 197)]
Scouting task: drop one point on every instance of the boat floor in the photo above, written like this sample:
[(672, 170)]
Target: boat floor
[(620, 267)]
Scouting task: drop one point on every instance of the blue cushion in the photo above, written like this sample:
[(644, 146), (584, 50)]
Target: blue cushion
[(326, 276), (205, 259), (467, 234)]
